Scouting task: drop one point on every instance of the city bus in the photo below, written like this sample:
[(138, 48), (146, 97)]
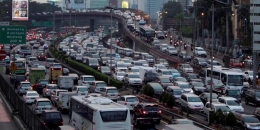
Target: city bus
[(147, 33), (94, 112), (223, 79)]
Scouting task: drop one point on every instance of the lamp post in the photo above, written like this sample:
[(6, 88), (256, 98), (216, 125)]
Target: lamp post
[(75, 19), (111, 12), (134, 33)]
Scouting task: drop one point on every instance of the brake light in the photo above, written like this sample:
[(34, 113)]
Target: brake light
[(160, 111), (44, 123), (52, 69), (84, 82), (27, 98), (125, 103), (60, 68), (144, 112), (47, 90)]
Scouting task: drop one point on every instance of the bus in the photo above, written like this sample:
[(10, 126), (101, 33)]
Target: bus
[(147, 33), (25, 50), (223, 79), (94, 112)]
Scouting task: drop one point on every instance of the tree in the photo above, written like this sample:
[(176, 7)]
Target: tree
[(144, 89), (231, 120), (172, 8), (170, 101), (219, 116), (161, 96), (165, 98), (150, 91)]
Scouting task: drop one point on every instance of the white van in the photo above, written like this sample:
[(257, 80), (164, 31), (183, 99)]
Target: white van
[(65, 82), (64, 100)]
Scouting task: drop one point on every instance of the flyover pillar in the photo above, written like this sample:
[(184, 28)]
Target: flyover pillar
[(92, 25)]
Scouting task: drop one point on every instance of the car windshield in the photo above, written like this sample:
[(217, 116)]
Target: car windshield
[(250, 73), (32, 94), (126, 61), (93, 61), (26, 85), (53, 115), (121, 65), (138, 64), (105, 69), (214, 96), (233, 103), (133, 76), (101, 84), (184, 86), (44, 82), (52, 87), (223, 108), (200, 49), (172, 48), (131, 99), (201, 60), (112, 91), (257, 93), (181, 79), (89, 79), (194, 76), (216, 63), (174, 71), (83, 89), (250, 119), (235, 80), (194, 99), (166, 73), (177, 92), (186, 66), (161, 67), (165, 80), (44, 103), (198, 84), (151, 108), (233, 92), (120, 74), (135, 70)]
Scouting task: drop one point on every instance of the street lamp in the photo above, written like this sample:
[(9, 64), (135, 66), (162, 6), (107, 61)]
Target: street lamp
[(111, 12), (134, 32)]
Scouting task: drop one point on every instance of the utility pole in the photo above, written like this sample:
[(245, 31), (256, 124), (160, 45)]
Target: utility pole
[(53, 4), (227, 33), (212, 42)]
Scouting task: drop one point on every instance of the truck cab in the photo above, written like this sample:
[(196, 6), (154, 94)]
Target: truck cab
[(55, 72)]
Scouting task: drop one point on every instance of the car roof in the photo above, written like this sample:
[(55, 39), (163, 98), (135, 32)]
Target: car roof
[(228, 98), (24, 82), (110, 87), (173, 87), (128, 96), (181, 82), (31, 92), (190, 95), (42, 99)]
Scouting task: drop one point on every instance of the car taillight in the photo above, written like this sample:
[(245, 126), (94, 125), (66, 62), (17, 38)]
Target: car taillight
[(52, 69), (60, 68), (47, 90), (125, 103), (27, 98), (44, 123), (145, 112), (160, 111), (84, 82)]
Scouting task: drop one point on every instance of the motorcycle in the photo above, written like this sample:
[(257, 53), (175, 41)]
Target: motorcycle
[(170, 42), (185, 46), (170, 37), (191, 47), (175, 44)]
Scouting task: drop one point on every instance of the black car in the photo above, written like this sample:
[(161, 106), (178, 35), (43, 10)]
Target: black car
[(246, 121), (252, 96), (192, 77), (184, 56), (198, 87), (200, 62), (164, 81), (51, 118), (41, 57), (147, 110), (144, 124)]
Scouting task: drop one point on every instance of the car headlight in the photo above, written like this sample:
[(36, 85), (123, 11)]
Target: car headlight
[(191, 91), (247, 125)]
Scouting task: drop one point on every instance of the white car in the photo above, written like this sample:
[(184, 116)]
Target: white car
[(121, 66), (232, 103), (110, 92), (249, 75), (165, 73), (132, 79), (30, 96), (214, 63), (171, 50), (199, 51), (119, 75), (40, 105), (129, 101), (191, 101), (159, 66), (185, 86), (163, 47)]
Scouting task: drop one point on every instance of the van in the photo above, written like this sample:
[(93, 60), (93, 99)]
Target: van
[(175, 91), (65, 82), (55, 95), (110, 92), (81, 90), (63, 103)]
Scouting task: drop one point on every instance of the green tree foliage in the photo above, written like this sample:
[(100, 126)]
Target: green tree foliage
[(165, 98), (172, 8), (170, 101), (144, 89), (219, 116), (161, 96), (150, 91), (231, 120), (187, 31)]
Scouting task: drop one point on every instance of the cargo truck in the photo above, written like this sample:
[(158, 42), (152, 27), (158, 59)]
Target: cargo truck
[(54, 74), (19, 74), (35, 76), (66, 82), (64, 100)]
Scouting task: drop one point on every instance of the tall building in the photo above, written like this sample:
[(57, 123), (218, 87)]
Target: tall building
[(255, 20)]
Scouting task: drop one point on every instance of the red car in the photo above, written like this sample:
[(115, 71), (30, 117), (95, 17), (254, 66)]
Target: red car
[(236, 63)]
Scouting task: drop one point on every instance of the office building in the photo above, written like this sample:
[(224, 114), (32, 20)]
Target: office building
[(255, 20)]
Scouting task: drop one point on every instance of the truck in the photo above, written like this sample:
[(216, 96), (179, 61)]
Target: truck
[(147, 74), (54, 74), (19, 74), (182, 127), (64, 100), (35, 74), (66, 82)]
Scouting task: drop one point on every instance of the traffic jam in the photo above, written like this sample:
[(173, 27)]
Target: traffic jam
[(51, 89)]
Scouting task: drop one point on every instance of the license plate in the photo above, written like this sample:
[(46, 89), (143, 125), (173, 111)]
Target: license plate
[(83, 94), (54, 122), (43, 108), (112, 95), (25, 89)]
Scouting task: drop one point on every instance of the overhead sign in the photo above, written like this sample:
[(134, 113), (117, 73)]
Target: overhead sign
[(36, 24), (2, 54), (20, 10), (13, 66), (4, 23), (13, 34)]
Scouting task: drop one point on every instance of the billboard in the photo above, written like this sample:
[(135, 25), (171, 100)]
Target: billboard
[(125, 4), (20, 10), (74, 4)]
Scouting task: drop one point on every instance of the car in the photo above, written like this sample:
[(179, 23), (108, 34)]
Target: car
[(184, 56), (110, 92), (214, 63), (198, 87), (205, 97), (49, 62), (252, 96), (51, 118), (199, 62), (23, 87), (47, 90), (151, 110), (175, 91), (192, 102), (30, 96), (159, 66), (160, 35), (163, 47), (158, 89), (119, 75), (105, 70), (144, 124), (246, 121), (199, 51), (41, 57), (232, 103), (65, 71), (133, 79), (164, 81), (176, 79), (215, 106), (97, 86), (172, 51), (41, 104), (120, 66), (192, 77), (185, 68), (130, 101)]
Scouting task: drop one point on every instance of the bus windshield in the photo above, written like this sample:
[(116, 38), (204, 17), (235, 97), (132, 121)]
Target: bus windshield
[(235, 80), (112, 116)]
